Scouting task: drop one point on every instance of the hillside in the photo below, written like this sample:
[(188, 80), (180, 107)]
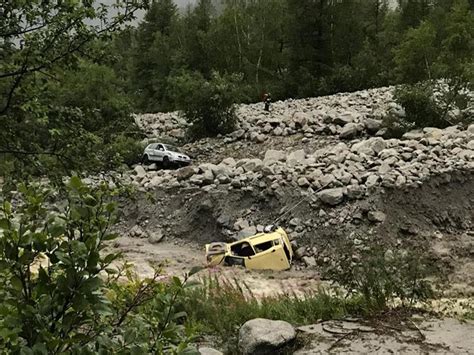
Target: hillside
[(318, 168)]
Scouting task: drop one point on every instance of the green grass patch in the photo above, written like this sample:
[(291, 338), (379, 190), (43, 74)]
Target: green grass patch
[(220, 307)]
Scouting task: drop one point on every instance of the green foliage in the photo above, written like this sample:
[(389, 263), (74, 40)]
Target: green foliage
[(57, 110), (421, 109), (59, 286), (415, 55), (209, 105), (379, 276), (221, 307)]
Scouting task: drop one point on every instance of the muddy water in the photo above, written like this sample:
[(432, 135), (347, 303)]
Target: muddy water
[(177, 259)]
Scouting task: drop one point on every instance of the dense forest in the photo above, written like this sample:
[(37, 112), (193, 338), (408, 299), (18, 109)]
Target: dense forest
[(69, 85)]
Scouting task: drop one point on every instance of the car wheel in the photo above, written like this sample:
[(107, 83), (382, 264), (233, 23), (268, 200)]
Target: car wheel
[(146, 160), (166, 162)]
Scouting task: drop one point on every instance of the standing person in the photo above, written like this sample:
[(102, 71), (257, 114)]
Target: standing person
[(267, 99)]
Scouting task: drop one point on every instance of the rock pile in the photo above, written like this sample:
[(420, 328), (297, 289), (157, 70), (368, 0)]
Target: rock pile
[(347, 115), (162, 125), (347, 170)]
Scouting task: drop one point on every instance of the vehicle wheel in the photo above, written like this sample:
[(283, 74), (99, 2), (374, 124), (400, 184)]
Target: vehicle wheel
[(145, 160), (166, 162)]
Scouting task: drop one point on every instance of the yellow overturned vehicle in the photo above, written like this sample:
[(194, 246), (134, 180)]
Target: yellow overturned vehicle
[(264, 251)]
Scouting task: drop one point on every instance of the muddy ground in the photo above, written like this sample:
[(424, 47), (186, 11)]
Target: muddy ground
[(436, 218)]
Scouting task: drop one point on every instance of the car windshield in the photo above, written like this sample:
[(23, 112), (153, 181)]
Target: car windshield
[(172, 148)]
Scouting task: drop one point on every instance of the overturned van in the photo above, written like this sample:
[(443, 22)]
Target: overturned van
[(264, 251)]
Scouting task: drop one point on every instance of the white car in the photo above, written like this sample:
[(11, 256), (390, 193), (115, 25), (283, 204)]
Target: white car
[(165, 154)]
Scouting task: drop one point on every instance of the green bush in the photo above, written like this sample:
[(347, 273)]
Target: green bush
[(379, 276), (421, 109), (123, 149), (60, 288), (209, 105)]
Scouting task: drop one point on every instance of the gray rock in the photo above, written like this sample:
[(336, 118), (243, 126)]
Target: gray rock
[(355, 192), (229, 162), (238, 134), (300, 119), (470, 129), (332, 197), (140, 171), (264, 336), (343, 119), (372, 126), (185, 173), (272, 156), (296, 158), (278, 131), (413, 135), (137, 232), (372, 180), (155, 237), (349, 131), (253, 165), (241, 224), (376, 216), (300, 252), (303, 182), (207, 177), (247, 232), (310, 261), (295, 222), (386, 153)]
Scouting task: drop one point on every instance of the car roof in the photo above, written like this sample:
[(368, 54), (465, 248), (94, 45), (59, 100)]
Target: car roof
[(262, 237)]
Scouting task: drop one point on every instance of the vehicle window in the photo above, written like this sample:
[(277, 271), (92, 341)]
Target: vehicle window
[(263, 246), (172, 148), (242, 249), (160, 147), (152, 146)]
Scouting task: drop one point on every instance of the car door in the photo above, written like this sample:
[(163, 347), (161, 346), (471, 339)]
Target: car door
[(159, 152), (270, 256)]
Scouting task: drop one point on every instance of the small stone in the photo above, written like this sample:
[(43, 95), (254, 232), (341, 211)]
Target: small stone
[(376, 216), (310, 261), (303, 182)]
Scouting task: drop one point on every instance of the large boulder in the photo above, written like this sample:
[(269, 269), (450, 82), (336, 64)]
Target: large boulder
[(185, 173), (140, 171), (372, 126), (272, 156), (332, 197), (254, 165), (264, 336), (296, 158), (344, 119), (349, 131), (300, 119)]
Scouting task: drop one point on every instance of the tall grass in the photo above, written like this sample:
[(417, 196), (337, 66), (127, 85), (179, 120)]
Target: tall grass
[(220, 306)]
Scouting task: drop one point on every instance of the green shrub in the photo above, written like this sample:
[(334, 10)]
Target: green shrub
[(60, 289), (379, 276), (123, 149), (209, 105), (421, 109)]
